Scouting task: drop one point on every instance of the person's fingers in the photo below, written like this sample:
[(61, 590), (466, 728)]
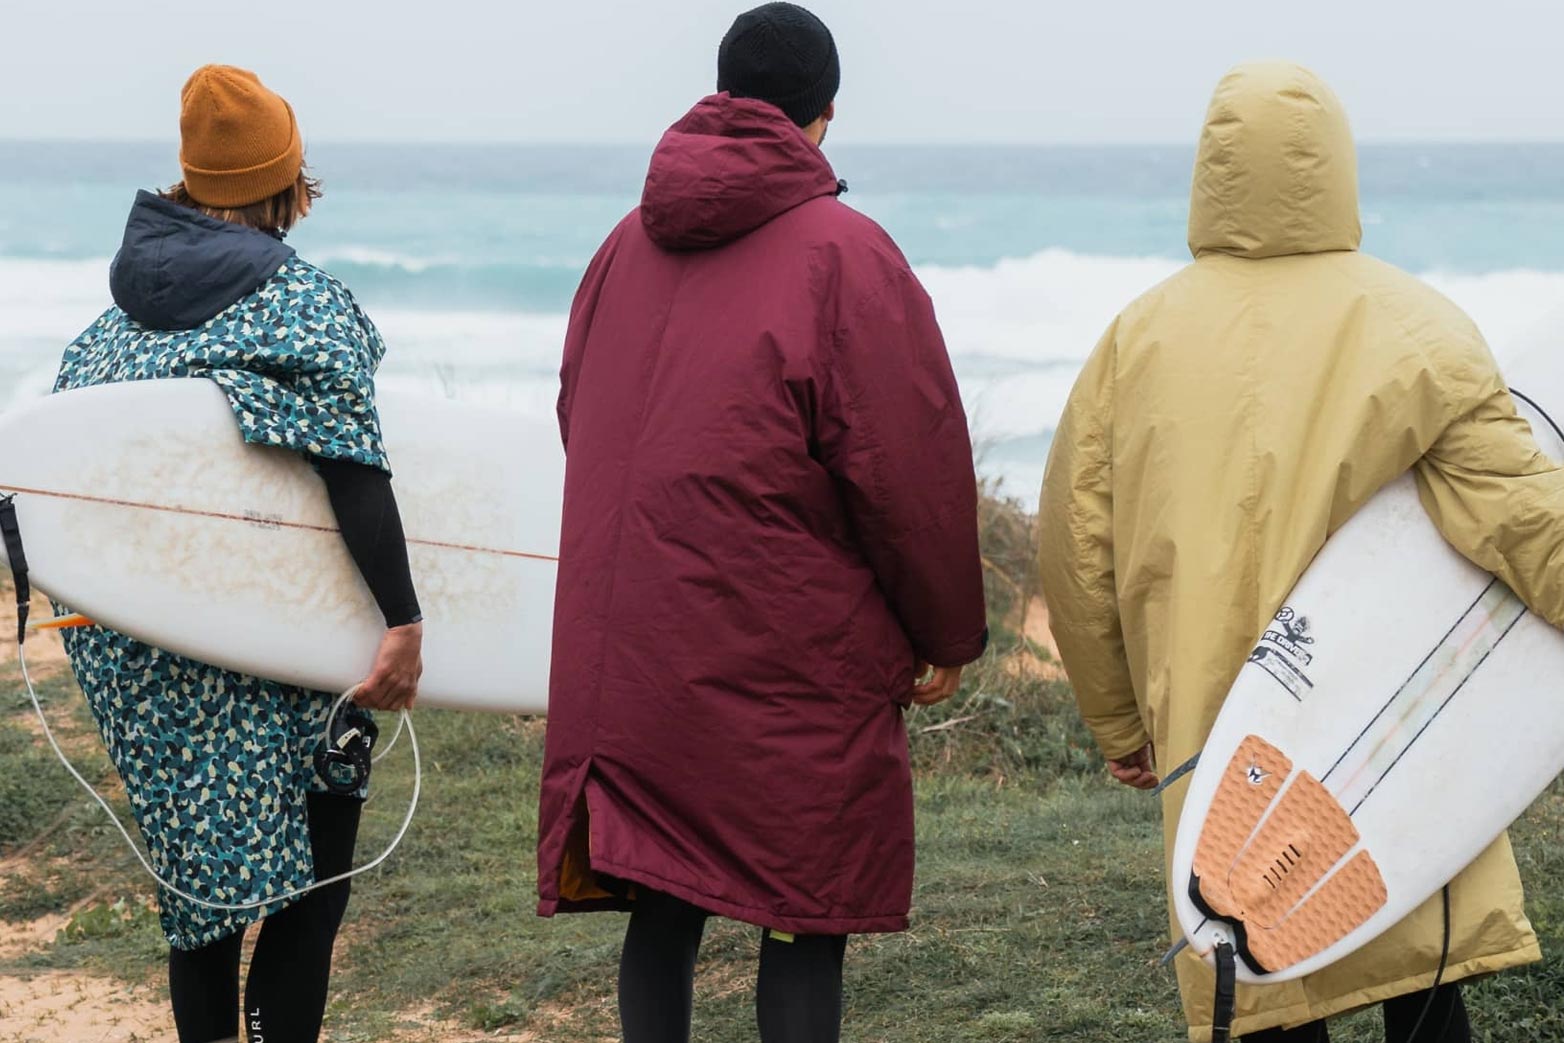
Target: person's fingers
[(368, 694), (383, 691), (397, 694), (934, 692), (941, 685), (1131, 774), (1137, 778), (1133, 764)]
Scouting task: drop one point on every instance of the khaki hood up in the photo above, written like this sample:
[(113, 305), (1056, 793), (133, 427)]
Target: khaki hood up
[(1225, 425), (1277, 173)]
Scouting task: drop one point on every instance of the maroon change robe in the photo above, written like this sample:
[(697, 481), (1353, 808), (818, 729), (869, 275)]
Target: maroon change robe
[(770, 515)]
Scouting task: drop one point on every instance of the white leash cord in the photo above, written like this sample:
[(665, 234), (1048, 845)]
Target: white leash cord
[(401, 722), (412, 807)]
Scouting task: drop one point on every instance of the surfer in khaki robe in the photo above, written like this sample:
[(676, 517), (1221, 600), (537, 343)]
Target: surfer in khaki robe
[(1229, 421)]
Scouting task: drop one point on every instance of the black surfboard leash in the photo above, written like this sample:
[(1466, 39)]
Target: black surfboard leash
[(1176, 774), (1226, 998), (1444, 957), (11, 533), (1540, 411)]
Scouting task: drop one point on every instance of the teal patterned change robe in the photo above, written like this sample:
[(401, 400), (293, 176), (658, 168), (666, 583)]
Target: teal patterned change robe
[(217, 765)]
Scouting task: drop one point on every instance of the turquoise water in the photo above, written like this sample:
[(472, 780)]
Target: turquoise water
[(468, 255)]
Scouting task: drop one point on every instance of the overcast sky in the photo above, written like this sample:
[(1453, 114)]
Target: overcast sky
[(913, 70)]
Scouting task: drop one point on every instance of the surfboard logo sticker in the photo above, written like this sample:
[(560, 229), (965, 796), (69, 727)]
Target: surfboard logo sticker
[(1283, 654), (262, 520)]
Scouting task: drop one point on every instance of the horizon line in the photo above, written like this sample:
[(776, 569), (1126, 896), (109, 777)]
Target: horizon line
[(173, 142)]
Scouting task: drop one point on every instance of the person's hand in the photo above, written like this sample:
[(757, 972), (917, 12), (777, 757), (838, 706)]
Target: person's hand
[(938, 686), (1139, 769), (392, 683)]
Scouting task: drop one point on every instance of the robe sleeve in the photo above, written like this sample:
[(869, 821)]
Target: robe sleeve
[(1075, 559), (1492, 493), (582, 308), (891, 431)]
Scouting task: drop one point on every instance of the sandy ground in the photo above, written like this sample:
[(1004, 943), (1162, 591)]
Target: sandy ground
[(71, 1007), (60, 1006), (1035, 627), (77, 1007)]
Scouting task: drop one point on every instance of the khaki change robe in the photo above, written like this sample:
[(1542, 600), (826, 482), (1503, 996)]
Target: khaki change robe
[(1226, 424)]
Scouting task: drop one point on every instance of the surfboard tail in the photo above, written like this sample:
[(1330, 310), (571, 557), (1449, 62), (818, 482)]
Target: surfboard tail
[(1270, 861)]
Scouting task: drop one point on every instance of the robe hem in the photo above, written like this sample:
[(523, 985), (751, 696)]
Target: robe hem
[(882, 924)]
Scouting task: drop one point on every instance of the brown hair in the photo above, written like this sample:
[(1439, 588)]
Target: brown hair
[(277, 214)]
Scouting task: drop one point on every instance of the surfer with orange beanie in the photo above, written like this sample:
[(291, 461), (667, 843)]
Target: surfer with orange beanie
[(770, 520), (1227, 423), (238, 807)]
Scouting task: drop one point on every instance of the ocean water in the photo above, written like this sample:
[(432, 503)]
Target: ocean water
[(467, 256)]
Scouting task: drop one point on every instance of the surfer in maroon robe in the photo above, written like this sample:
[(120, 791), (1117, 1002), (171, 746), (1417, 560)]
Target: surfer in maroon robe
[(770, 528)]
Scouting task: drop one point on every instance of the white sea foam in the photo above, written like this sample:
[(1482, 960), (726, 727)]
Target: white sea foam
[(1018, 332), (375, 257)]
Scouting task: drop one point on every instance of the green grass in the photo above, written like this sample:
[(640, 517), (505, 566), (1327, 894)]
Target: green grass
[(1038, 915)]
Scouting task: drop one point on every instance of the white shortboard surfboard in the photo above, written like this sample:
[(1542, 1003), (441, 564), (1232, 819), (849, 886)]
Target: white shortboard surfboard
[(1397, 715), (142, 508)]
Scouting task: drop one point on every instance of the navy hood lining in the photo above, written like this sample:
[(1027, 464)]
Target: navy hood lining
[(177, 267)]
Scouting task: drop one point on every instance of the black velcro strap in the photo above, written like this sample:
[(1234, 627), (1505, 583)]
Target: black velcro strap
[(12, 534), (1226, 994), (344, 757)]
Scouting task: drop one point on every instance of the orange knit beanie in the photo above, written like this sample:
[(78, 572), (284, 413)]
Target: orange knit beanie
[(239, 142)]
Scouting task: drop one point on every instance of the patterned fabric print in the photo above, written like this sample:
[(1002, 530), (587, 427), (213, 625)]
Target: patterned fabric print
[(217, 764), (297, 358)]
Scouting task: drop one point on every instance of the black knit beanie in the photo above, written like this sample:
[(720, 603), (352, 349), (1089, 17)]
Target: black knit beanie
[(782, 54)]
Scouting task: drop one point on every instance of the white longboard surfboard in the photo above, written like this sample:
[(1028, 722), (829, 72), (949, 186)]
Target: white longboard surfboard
[(142, 508), (1399, 713)]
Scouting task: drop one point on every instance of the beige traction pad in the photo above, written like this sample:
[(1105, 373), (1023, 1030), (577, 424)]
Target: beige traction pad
[(1279, 878)]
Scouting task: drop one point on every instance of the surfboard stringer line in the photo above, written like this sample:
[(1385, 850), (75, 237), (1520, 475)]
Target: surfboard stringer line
[(1267, 861)]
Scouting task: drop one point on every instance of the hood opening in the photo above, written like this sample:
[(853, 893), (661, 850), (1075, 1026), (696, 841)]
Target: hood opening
[(728, 167), (1277, 171), (177, 267)]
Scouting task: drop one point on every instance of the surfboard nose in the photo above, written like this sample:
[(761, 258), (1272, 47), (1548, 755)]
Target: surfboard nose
[(1268, 858)]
